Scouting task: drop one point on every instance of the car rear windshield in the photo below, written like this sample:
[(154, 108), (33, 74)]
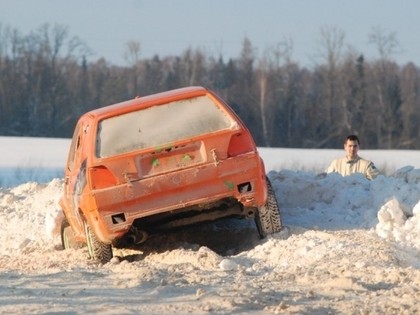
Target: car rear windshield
[(159, 126)]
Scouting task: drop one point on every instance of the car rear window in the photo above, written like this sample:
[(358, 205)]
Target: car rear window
[(160, 125)]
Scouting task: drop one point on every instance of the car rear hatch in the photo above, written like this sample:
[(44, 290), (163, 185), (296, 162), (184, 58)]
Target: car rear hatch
[(172, 155)]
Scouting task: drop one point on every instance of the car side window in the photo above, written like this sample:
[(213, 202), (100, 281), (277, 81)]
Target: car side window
[(75, 144)]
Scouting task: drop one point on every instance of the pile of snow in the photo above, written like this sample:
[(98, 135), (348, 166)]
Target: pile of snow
[(389, 204), (350, 246)]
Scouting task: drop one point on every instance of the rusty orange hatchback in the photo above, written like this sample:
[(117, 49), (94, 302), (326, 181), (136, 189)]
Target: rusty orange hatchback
[(158, 162)]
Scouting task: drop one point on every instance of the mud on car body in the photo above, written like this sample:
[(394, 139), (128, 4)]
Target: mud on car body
[(157, 162)]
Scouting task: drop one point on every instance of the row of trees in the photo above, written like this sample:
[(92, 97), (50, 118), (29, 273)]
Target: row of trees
[(46, 83)]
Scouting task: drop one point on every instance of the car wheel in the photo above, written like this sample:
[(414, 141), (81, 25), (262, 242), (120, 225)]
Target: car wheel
[(268, 218), (68, 240), (98, 250)]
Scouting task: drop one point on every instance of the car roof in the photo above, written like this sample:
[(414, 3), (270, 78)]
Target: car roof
[(146, 101)]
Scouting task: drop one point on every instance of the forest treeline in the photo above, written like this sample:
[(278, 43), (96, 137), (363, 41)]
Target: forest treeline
[(46, 83)]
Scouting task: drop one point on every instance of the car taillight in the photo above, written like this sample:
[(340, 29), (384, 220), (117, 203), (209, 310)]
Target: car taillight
[(101, 177), (240, 143)]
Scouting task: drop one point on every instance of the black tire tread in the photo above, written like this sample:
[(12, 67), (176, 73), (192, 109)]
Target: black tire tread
[(64, 237), (68, 240), (268, 218), (97, 249)]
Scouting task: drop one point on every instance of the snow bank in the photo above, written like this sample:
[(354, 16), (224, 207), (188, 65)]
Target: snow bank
[(350, 246), (389, 205)]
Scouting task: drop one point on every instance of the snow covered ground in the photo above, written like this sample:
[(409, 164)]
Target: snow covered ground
[(351, 246)]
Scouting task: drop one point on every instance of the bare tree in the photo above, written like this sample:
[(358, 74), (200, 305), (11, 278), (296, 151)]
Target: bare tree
[(387, 87), (246, 90), (132, 56), (410, 83), (386, 42), (133, 52), (276, 73), (330, 103), (262, 77), (331, 45), (194, 62)]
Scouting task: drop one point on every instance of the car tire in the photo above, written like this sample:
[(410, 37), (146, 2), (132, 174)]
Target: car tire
[(98, 250), (268, 218), (68, 240)]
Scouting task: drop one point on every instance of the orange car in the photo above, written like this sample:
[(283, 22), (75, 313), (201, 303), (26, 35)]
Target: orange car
[(161, 161)]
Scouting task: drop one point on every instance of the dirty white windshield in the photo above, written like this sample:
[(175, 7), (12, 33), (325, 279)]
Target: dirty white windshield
[(160, 125)]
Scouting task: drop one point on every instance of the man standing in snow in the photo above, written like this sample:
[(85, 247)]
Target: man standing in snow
[(352, 162)]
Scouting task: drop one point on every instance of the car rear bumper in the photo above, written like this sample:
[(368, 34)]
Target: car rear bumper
[(242, 178)]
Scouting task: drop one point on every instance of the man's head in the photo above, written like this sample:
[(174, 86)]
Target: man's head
[(351, 146)]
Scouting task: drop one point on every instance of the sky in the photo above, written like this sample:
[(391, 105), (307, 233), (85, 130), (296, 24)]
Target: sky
[(218, 27)]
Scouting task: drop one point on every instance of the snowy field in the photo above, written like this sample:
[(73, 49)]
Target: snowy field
[(351, 246)]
